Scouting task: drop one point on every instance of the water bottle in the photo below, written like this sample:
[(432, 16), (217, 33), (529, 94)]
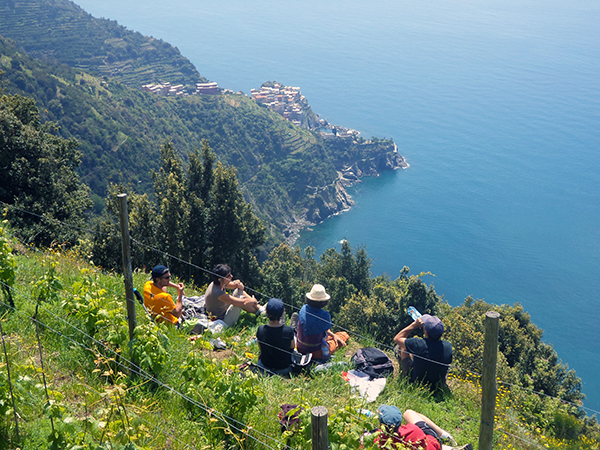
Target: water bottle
[(412, 312), (366, 412), (325, 349)]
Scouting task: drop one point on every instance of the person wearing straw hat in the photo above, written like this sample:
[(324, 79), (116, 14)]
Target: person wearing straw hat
[(275, 340), (428, 359), (314, 327), (226, 307), (158, 301)]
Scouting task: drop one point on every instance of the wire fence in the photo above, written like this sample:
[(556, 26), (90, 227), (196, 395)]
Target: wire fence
[(129, 366), (311, 394), (232, 423), (336, 326)]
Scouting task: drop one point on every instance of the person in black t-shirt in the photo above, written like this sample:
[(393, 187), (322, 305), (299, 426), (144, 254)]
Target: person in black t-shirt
[(276, 341), (428, 359)]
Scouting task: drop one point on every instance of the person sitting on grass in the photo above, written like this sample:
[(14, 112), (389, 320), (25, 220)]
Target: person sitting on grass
[(226, 307), (419, 432), (426, 360), (158, 301), (314, 327), (275, 340)]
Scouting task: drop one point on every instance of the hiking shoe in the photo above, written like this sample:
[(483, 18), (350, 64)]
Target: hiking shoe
[(448, 437), (464, 447), (261, 310), (218, 344), (294, 321)]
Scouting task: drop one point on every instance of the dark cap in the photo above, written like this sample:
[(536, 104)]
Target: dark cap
[(433, 325), (159, 271), (275, 308)]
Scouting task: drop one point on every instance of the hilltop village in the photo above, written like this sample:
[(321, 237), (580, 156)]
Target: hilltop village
[(166, 89), (287, 101)]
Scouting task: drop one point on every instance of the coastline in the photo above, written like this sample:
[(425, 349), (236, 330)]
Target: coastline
[(342, 201)]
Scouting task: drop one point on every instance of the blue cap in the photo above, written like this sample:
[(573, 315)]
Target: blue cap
[(275, 308), (390, 415), (433, 325), (159, 271)]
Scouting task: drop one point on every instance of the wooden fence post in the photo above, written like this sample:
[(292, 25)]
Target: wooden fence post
[(127, 273), (488, 381), (320, 438), (12, 396)]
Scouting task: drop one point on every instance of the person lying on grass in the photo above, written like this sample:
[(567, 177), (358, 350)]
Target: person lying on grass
[(419, 432)]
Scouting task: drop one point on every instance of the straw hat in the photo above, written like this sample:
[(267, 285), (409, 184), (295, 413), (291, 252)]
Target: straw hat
[(318, 294)]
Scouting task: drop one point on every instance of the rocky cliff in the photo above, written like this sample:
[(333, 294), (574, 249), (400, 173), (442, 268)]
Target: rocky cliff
[(333, 199)]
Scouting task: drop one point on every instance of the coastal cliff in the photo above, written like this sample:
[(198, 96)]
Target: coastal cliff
[(372, 166), (332, 199)]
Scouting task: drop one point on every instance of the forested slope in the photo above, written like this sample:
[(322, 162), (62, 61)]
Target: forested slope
[(291, 175)]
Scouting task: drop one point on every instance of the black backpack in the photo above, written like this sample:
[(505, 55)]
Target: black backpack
[(373, 362)]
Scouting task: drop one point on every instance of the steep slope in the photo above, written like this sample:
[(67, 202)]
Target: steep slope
[(293, 176), (63, 31)]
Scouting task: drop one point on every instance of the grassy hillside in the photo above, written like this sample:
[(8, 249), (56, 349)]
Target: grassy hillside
[(76, 388)]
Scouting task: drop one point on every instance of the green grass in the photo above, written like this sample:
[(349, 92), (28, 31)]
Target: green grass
[(97, 402)]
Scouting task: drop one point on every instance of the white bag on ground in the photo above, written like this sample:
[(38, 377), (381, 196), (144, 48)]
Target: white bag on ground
[(367, 389)]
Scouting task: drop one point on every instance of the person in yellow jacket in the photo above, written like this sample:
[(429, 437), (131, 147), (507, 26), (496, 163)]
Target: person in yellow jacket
[(158, 301)]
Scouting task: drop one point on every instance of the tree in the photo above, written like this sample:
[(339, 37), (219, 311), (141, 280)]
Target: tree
[(142, 229), (384, 310), (199, 218), (39, 176), (235, 233), (199, 182), (173, 208), (526, 359), (344, 274), (284, 275), (7, 266)]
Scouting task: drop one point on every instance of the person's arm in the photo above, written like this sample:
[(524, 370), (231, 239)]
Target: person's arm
[(179, 305), (337, 340), (246, 302), (235, 284), (258, 331), (400, 338)]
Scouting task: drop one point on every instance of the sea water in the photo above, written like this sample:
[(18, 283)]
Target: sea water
[(494, 104)]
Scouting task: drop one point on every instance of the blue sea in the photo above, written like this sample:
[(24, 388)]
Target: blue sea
[(494, 104)]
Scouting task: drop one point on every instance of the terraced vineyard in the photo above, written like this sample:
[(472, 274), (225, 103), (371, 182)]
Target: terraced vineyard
[(62, 30)]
